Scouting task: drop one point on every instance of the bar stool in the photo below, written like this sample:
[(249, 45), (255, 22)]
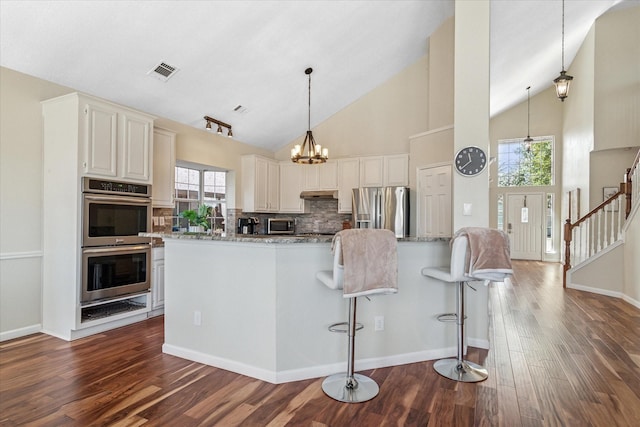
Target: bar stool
[(459, 273), (357, 255)]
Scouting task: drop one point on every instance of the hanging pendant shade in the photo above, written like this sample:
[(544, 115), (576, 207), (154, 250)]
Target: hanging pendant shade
[(528, 140), (563, 81)]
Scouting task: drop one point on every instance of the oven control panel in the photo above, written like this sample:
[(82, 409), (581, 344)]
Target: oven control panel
[(92, 185)]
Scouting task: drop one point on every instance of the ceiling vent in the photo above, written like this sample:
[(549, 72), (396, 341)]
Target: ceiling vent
[(163, 71)]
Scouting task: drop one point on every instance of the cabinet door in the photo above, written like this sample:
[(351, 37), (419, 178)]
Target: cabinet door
[(157, 284), (290, 187), (135, 137), (101, 141), (311, 177), (348, 179), (371, 171), (273, 186), (328, 176), (396, 170), (261, 185), (164, 162)]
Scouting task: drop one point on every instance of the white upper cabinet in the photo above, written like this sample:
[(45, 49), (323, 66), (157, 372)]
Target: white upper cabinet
[(260, 184), (372, 171), (101, 140), (291, 185), (322, 176), (384, 171), (117, 141), (348, 179), (135, 152), (396, 170), (164, 162)]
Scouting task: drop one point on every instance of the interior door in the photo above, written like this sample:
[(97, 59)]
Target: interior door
[(434, 202), (525, 226)]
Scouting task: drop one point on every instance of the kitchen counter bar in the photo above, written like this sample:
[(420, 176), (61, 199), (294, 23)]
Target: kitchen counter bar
[(253, 305)]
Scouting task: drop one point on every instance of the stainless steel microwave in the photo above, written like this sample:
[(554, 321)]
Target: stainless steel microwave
[(281, 226)]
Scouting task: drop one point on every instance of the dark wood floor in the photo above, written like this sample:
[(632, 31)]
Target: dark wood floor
[(557, 358)]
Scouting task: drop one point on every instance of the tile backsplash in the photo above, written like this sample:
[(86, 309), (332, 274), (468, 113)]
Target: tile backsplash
[(323, 217)]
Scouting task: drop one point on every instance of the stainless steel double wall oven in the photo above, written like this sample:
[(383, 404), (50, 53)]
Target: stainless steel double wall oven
[(115, 260)]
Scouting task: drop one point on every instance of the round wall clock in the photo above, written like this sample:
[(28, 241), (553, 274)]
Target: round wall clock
[(470, 161)]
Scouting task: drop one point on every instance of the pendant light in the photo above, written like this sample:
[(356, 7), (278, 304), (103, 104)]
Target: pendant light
[(563, 81), (310, 152), (528, 140)]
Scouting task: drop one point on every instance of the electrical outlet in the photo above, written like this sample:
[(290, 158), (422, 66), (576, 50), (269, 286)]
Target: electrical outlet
[(378, 323), (197, 318)]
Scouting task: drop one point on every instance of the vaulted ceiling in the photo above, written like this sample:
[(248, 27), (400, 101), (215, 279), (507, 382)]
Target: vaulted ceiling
[(253, 54)]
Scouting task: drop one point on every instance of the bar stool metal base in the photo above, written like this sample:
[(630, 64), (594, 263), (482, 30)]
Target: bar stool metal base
[(357, 390), (460, 370)]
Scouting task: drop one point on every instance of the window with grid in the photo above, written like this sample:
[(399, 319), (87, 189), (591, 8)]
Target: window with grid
[(523, 164), (196, 186)]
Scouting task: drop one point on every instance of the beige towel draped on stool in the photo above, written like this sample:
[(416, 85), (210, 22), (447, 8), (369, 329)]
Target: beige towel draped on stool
[(489, 256), (370, 260)]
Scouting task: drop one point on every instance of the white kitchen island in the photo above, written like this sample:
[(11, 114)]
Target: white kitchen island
[(253, 306)]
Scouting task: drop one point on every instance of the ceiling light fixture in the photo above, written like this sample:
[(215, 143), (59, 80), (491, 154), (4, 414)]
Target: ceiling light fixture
[(312, 153), (528, 140), (563, 81), (220, 126)]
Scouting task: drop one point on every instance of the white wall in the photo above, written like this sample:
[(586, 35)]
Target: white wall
[(631, 257), (578, 124), (471, 108), (617, 79), (21, 200), (380, 122)]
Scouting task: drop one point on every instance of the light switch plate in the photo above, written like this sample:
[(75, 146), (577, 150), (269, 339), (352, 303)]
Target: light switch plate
[(466, 209)]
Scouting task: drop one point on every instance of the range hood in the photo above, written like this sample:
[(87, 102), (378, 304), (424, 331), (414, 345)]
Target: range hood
[(322, 194)]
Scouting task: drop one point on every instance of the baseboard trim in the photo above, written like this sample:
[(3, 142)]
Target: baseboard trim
[(279, 377), (20, 332), (599, 291)]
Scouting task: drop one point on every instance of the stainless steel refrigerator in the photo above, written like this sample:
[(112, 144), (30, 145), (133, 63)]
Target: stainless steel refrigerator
[(381, 207)]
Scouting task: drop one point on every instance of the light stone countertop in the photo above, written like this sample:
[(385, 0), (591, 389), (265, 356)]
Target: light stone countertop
[(278, 239)]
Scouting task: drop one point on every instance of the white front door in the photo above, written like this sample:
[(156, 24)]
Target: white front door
[(524, 225), (434, 202)]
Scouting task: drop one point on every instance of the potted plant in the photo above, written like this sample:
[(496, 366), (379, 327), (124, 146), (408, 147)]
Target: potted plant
[(198, 219)]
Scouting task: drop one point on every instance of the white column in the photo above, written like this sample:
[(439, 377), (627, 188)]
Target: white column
[(471, 109)]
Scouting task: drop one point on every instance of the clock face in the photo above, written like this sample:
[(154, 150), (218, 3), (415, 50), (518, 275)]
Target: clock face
[(470, 161)]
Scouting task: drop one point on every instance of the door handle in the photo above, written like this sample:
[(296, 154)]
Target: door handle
[(509, 228)]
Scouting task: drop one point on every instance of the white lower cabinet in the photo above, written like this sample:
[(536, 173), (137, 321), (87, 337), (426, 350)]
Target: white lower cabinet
[(157, 279)]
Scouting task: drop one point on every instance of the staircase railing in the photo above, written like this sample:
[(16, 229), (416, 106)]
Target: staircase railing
[(602, 226)]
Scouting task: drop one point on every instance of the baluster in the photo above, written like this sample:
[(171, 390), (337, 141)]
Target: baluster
[(613, 227), (620, 218), (592, 231), (599, 214), (574, 243), (590, 237), (582, 242)]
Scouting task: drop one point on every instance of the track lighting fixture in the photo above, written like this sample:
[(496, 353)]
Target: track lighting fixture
[(311, 153), (220, 126), (563, 81)]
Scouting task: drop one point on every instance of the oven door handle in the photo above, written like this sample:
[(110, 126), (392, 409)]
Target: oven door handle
[(131, 200), (116, 249)]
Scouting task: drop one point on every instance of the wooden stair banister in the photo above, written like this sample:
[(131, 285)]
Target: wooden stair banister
[(626, 189)]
